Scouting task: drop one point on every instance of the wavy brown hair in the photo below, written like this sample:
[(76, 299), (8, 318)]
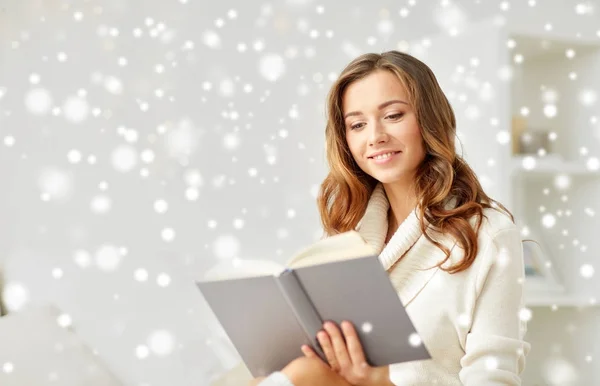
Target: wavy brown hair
[(442, 177)]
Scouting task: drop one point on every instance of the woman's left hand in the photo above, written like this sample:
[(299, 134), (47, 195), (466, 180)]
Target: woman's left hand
[(346, 356)]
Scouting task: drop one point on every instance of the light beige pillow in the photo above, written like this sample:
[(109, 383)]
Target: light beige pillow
[(237, 376), (36, 350)]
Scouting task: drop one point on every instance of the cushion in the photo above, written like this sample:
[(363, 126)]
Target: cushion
[(36, 350)]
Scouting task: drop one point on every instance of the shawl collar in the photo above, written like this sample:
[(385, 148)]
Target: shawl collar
[(412, 273)]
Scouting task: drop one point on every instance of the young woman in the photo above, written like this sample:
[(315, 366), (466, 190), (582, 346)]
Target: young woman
[(453, 254)]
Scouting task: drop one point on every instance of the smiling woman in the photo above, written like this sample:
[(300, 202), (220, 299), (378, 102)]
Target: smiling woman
[(385, 141), (453, 254)]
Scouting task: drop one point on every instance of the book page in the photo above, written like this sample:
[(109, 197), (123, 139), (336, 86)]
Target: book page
[(343, 246), (241, 268), (347, 245)]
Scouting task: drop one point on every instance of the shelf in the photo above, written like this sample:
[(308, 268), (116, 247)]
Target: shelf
[(564, 300), (533, 46), (546, 293), (551, 165)]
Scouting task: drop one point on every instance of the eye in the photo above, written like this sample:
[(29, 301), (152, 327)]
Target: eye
[(395, 116), (356, 126)]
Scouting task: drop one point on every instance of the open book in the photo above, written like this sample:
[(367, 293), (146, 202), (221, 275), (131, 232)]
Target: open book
[(270, 312)]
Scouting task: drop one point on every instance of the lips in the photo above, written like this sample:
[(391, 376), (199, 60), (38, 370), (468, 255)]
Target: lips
[(386, 153)]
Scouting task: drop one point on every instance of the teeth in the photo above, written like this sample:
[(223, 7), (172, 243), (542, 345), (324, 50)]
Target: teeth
[(384, 156)]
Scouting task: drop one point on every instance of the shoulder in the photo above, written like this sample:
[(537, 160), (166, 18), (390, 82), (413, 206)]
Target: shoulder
[(494, 223), (498, 234), (499, 244)]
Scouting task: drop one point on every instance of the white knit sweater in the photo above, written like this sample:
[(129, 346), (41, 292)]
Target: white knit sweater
[(469, 321)]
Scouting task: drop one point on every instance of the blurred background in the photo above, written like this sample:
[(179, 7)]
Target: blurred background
[(143, 144)]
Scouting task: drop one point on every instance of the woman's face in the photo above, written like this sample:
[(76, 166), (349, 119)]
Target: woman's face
[(378, 120)]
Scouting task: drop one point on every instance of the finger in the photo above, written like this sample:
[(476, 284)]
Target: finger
[(339, 345), (308, 351), (357, 353), (327, 347)]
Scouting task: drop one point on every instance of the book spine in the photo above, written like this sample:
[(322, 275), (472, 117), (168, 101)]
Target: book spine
[(305, 312)]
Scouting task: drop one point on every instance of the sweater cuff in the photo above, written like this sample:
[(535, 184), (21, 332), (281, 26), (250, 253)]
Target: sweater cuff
[(276, 379)]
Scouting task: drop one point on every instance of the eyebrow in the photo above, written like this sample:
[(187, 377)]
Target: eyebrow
[(381, 106)]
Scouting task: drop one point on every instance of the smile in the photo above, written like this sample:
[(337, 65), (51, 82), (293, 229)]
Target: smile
[(383, 158)]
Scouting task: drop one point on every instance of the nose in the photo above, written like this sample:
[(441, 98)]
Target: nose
[(377, 134)]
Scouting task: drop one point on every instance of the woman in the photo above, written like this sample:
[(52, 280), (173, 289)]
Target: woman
[(453, 254)]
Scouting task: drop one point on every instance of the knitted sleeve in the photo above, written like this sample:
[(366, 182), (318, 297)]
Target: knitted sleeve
[(276, 379), (495, 350)]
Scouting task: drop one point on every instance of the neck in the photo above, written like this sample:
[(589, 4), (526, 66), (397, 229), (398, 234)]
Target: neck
[(402, 199)]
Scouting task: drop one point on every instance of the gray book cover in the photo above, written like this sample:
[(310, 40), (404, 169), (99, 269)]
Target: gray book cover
[(268, 318)]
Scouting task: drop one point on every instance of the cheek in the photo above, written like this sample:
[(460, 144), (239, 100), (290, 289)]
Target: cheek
[(414, 143), (353, 147), (418, 142), (412, 138)]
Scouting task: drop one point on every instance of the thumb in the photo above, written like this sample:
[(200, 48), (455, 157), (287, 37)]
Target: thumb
[(308, 352)]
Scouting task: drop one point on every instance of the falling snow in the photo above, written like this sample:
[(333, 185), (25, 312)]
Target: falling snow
[(185, 138)]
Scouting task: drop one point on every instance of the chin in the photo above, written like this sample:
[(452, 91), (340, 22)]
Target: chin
[(386, 178)]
